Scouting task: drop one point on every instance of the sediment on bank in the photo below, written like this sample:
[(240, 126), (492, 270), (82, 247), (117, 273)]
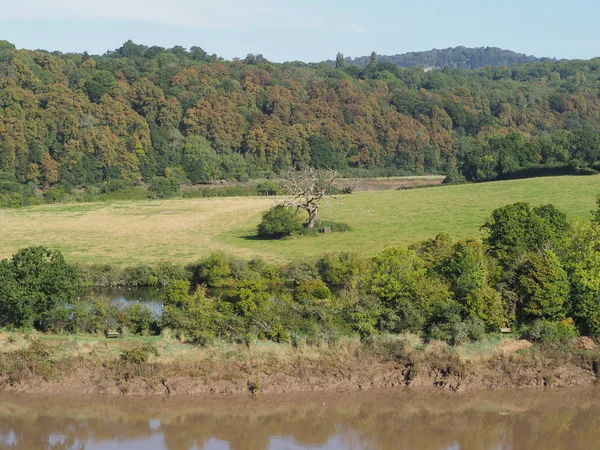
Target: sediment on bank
[(163, 366)]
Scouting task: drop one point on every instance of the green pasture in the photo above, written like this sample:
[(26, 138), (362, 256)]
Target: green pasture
[(133, 232)]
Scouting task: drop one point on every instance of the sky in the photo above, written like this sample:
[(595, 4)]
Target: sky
[(306, 30)]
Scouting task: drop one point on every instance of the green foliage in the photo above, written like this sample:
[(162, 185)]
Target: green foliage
[(581, 260), (177, 294), (33, 284), (513, 230), (137, 355), (95, 315), (334, 227), (437, 288), (470, 275), (247, 296), (596, 212), (216, 270), (410, 297), (163, 187), (543, 286), (547, 331), (394, 273), (278, 222), (268, 188), (134, 112), (193, 317), (338, 269), (312, 291), (200, 162)]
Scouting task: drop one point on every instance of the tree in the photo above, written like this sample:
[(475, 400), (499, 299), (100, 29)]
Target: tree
[(339, 61), (308, 187), (373, 59), (200, 162), (515, 229), (33, 284), (398, 277), (543, 287)]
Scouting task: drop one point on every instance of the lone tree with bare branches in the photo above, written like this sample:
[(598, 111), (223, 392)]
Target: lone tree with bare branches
[(308, 187)]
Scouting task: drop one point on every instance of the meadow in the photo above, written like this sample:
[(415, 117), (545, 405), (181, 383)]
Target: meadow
[(186, 230)]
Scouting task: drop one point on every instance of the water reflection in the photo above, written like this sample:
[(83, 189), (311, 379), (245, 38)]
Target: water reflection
[(552, 420), (152, 297), (124, 296)]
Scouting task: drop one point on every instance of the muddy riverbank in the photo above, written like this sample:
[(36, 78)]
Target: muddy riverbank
[(161, 366)]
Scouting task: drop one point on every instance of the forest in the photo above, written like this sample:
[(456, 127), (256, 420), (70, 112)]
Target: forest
[(163, 117), (455, 57)]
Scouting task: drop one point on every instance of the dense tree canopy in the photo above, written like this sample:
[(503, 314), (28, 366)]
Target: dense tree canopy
[(132, 114)]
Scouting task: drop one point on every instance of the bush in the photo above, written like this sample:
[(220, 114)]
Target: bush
[(163, 187), (340, 269), (138, 318), (312, 290), (138, 355), (545, 331), (336, 227), (278, 222), (268, 188)]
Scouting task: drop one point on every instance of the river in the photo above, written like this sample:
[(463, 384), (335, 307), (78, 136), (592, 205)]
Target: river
[(378, 420)]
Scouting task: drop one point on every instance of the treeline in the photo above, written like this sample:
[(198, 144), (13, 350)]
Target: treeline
[(535, 271), (454, 57), (169, 116)]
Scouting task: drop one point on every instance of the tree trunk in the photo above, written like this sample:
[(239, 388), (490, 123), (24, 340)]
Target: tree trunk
[(312, 218)]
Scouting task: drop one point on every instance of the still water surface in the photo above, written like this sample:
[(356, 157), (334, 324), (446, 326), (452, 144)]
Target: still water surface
[(379, 420)]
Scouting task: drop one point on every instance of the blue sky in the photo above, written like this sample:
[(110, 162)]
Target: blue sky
[(307, 30)]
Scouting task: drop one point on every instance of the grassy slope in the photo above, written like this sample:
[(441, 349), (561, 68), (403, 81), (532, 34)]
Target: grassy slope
[(187, 230)]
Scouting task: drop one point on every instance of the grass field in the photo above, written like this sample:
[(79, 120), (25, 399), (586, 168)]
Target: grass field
[(188, 230)]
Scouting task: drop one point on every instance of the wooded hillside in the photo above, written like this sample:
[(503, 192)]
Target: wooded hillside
[(139, 112)]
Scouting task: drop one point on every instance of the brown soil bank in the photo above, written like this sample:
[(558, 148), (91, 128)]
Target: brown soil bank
[(156, 365)]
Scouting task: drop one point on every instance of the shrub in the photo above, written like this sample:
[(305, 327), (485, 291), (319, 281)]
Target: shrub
[(216, 270), (312, 290), (340, 268), (279, 222), (163, 187), (193, 316), (545, 331), (95, 315), (268, 188), (137, 355), (138, 318), (302, 270), (336, 227)]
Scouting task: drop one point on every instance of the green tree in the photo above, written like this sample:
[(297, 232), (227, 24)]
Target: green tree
[(33, 284), (581, 257), (543, 287), (101, 83), (200, 162), (515, 229), (398, 277)]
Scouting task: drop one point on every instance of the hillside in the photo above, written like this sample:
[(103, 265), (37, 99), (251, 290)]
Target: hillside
[(167, 116), (129, 233), (454, 57)]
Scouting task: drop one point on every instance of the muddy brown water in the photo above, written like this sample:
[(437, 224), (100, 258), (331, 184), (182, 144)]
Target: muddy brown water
[(380, 420)]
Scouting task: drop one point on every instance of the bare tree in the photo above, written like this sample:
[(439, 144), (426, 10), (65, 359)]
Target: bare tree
[(308, 187)]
